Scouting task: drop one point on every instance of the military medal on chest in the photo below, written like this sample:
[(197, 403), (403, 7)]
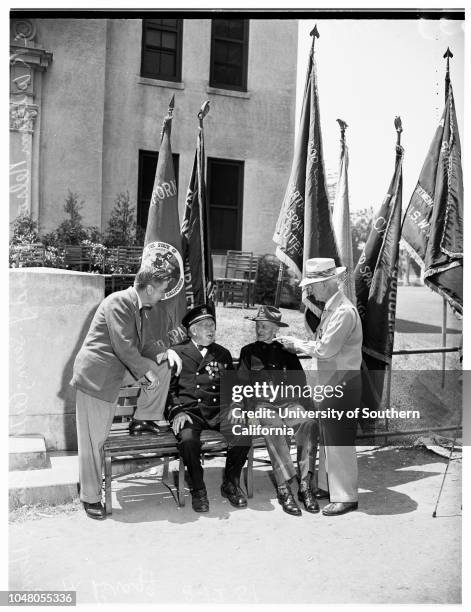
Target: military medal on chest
[(212, 368)]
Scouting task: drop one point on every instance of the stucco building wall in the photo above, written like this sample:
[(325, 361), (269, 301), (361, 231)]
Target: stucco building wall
[(97, 112)]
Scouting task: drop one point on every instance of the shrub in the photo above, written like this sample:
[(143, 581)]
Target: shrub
[(94, 235), (267, 279), (98, 256), (70, 231), (25, 230), (54, 257), (121, 225), (360, 223)]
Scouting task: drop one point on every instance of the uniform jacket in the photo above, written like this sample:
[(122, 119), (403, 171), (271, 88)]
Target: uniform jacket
[(260, 362), (197, 389), (113, 344)]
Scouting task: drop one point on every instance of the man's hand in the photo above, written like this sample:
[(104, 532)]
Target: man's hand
[(174, 359), (288, 342), (179, 421), (153, 380)]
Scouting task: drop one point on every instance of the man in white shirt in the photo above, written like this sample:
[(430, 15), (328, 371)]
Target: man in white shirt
[(335, 345)]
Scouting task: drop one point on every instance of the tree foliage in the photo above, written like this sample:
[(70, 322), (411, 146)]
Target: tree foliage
[(25, 230), (122, 223)]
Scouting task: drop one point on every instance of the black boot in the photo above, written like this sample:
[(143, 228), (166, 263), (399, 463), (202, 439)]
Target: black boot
[(306, 496), (234, 494), (287, 501), (199, 500)]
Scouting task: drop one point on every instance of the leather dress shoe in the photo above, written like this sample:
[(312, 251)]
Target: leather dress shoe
[(306, 496), (234, 494), (199, 500), (138, 427), (321, 494), (336, 508), (95, 510), (287, 501)]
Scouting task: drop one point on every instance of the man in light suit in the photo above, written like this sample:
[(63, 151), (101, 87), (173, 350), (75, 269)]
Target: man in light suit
[(112, 356), (336, 346), (195, 404)]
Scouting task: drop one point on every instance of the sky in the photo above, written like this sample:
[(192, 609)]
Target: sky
[(369, 71)]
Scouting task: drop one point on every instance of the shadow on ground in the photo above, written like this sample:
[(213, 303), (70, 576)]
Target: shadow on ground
[(414, 327), (382, 470), (146, 498)]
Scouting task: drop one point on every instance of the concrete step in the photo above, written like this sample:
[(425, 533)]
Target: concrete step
[(57, 484), (27, 453)]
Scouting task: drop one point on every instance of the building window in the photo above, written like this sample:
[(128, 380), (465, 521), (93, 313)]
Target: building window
[(147, 168), (229, 53), (225, 186), (162, 49)]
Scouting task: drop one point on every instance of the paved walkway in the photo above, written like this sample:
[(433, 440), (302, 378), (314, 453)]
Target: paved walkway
[(390, 551)]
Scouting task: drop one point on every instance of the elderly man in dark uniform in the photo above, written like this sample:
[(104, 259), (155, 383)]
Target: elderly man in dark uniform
[(194, 405), (112, 355), (266, 360)]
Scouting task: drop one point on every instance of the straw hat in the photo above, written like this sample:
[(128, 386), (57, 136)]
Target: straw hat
[(320, 269)]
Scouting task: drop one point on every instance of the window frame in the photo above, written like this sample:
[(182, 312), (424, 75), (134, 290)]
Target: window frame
[(178, 30), (245, 57), (240, 200)]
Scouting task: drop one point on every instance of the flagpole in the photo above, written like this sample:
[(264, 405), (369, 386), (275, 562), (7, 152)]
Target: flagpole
[(204, 110), (168, 118), (343, 127), (387, 401), (279, 283), (446, 56)]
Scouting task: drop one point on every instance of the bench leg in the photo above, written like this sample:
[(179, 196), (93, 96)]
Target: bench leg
[(108, 508), (165, 469), (249, 473), (181, 483)]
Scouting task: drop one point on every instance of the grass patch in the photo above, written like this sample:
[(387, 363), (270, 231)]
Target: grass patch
[(43, 510)]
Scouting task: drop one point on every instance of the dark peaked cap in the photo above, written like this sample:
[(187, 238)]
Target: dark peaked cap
[(198, 313)]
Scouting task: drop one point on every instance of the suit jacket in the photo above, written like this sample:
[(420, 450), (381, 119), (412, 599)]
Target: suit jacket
[(338, 337), (272, 363), (114, 344), (196, 390)]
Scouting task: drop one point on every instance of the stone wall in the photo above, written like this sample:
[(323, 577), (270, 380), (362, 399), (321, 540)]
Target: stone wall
[(50, 313)]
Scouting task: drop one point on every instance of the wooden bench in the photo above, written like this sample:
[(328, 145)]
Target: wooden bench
[(120, 446)]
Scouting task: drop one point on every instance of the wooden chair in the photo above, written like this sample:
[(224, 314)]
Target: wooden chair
[(239, 278), (129, 256), (117, 282), (77, 257), (253, 279)]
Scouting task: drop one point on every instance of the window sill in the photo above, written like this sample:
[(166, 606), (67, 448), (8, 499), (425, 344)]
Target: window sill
[(158, 83), (232, 93)]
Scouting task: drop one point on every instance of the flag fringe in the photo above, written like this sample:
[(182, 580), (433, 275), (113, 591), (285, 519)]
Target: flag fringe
[(454, 305), (376, 355), (285, 259), (413, 253)]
